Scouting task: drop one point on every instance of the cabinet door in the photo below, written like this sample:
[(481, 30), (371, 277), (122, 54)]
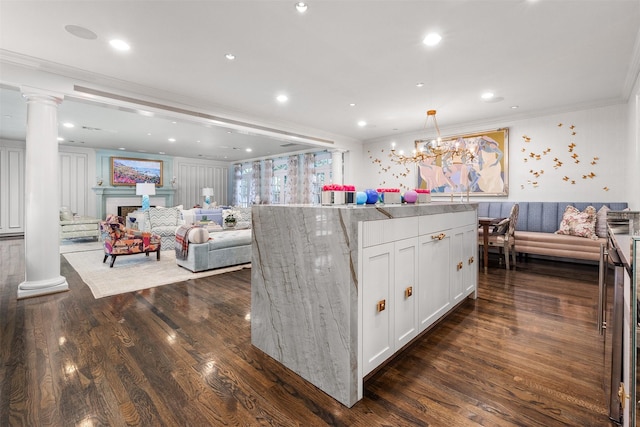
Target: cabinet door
[(405, 297), (457, 265), (434, 273), (377, 319), (470, 260)]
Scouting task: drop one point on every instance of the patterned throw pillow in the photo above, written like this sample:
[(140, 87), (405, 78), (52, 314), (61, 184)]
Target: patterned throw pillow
[(160, 217), (581, 224)]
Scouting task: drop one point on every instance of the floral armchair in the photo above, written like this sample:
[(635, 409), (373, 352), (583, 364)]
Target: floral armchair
[(119, 240)]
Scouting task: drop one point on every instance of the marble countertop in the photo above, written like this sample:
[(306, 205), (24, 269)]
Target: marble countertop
[(382, 211)]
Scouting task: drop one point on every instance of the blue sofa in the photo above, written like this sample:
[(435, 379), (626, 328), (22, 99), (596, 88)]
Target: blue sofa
[(226, 247), (538, 222)]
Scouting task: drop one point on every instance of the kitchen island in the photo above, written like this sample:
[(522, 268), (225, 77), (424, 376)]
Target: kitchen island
[(338, 290)]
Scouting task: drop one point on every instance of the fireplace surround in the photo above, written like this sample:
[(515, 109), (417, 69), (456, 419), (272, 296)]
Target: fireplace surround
[(108, 199)]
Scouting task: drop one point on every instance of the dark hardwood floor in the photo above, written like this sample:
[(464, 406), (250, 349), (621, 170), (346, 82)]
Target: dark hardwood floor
[(525, 353)]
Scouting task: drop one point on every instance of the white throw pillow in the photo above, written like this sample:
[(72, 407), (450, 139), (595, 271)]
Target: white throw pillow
[(601, 221), (198, 235)]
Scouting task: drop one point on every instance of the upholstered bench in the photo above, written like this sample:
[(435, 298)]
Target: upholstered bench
[(538, 222), (224, 249)]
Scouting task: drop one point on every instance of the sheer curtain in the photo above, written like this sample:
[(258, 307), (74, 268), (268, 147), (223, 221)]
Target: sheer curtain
[(237, 184), (291, 188), (296, 177), (308, 178), (256, 183), (266, 193)]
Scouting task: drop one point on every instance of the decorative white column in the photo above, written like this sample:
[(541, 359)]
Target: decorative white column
[(337, 166), (42, 216)]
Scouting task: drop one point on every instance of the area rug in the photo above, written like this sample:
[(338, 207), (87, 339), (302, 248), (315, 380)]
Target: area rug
[(133, 272), (79, 245)]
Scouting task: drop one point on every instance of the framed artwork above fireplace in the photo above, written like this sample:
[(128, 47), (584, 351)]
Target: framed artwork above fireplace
[(129, 171)]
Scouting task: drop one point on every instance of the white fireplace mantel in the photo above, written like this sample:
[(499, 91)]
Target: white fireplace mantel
[(125, 195)]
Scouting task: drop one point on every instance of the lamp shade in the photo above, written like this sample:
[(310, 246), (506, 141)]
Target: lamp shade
[(145, 189), (207, 191)]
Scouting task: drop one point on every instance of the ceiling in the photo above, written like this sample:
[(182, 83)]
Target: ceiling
[(542, 56)]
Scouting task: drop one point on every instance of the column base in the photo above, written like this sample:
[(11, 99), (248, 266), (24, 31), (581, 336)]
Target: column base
[(36, 288)]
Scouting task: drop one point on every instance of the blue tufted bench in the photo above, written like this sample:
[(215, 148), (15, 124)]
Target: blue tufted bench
[(538, 222)]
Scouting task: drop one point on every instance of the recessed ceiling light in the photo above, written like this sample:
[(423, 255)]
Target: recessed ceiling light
[(148, 133), (161, 152), (419, 84), (81, 32), (122, 148), (353, 104), (513, 107), (301, 7), (282, 98), (487, 95), (68, 125), (172, 140), (432, 39), (60, 138), (248, 150), (362, 123), (230, 56), (119, 45)]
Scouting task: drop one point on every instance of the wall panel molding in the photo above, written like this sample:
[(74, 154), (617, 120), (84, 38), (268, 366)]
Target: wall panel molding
[(192, 175), (12, 163)]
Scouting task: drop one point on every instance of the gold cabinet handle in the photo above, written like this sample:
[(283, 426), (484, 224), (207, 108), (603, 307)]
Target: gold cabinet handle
[(460, 264), (439, 236), (622, 395), (471, 260), (382, 304), (408, 292)]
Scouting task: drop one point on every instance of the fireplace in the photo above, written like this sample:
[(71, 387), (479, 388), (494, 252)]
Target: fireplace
[(126, 210), (112, 200)]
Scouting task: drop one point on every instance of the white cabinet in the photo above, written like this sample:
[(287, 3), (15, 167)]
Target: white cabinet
[(389, 302), (409, 283), (470, 259), (434, 277), (377, 282), (405, 303)]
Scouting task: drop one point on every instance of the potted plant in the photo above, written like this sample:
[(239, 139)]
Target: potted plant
[(230, 220)]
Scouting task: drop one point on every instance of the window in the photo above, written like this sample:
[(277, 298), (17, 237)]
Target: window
[(279, 178)]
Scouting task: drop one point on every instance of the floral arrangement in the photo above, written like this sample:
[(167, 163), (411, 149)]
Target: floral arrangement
[(422, 191), (338, 187), (231, 217), (388, 190)]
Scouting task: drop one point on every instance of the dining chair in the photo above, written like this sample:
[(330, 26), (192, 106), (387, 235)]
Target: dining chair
[(502, 236)]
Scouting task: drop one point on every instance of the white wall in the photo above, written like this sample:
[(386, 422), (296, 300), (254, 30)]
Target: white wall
[(77, 176), (600, 132), (12, 185), (193, 174)]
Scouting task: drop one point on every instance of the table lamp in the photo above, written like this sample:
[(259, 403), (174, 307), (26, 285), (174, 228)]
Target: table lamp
[(145, 189), (207, 193)]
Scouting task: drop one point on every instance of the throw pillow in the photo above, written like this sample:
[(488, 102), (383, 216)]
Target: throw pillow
[(160, 217), (198, 235), (601, 221), (66, 214), (576, 223), (501, 227)]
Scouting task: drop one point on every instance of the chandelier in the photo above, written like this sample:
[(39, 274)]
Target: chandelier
[(453, 151)]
